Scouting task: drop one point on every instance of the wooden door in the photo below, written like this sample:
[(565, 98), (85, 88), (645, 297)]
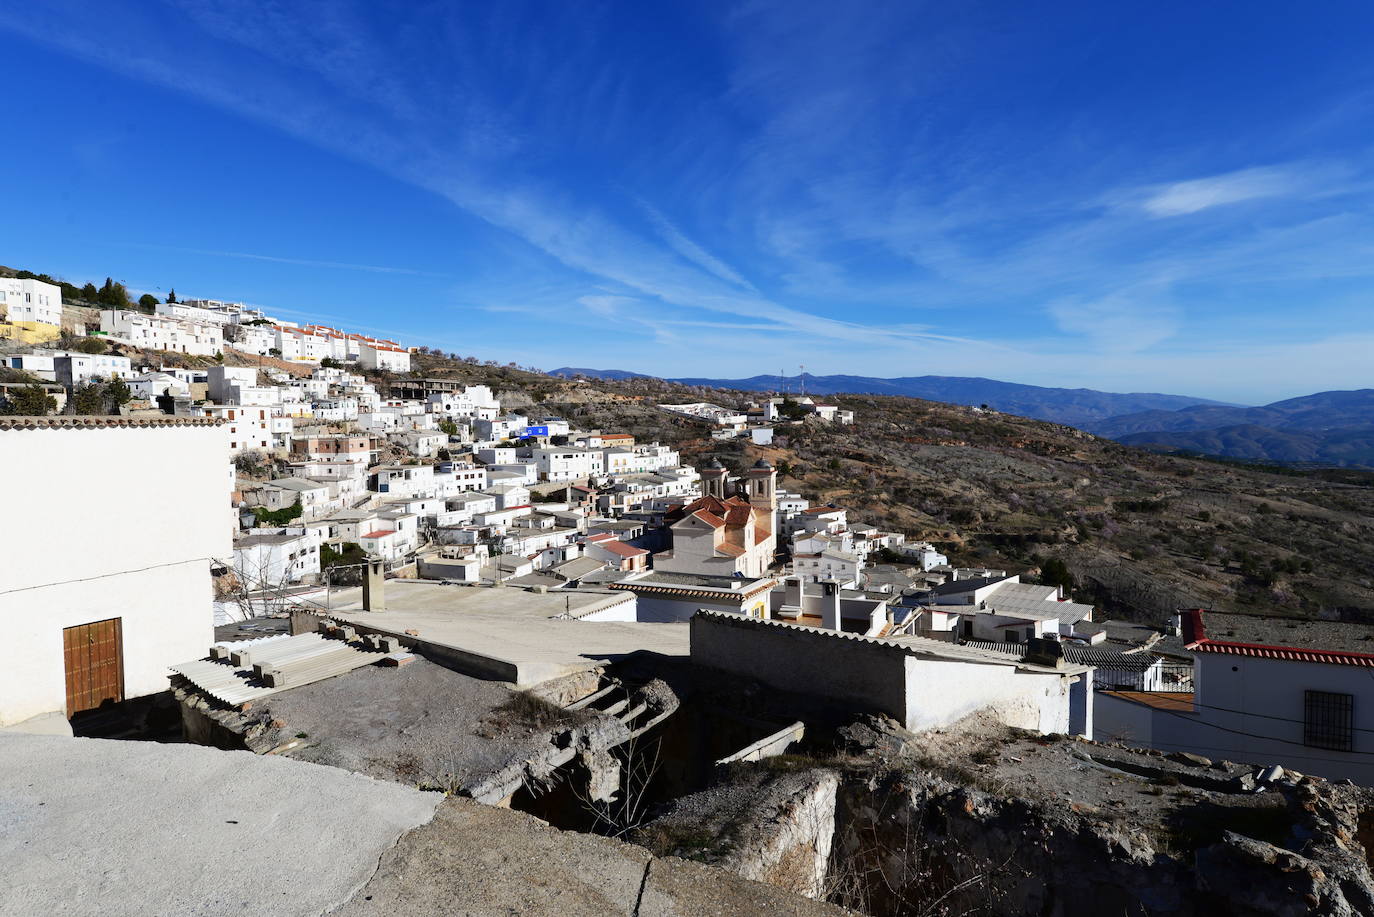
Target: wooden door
[(94, 657)]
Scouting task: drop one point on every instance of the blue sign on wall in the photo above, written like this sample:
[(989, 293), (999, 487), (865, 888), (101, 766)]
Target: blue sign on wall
[(537, 431)]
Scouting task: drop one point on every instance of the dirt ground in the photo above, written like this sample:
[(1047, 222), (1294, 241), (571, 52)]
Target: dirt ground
[(420, 724)]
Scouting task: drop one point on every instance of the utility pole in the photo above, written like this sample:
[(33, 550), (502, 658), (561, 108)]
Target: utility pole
[(801, 378)]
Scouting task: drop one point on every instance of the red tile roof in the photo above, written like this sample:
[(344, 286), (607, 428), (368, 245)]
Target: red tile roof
[(737, 515), (1194, 632), (621, 548), (379, 533), (709, 518)]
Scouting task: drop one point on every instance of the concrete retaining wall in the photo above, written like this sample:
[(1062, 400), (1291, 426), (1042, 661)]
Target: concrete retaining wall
[(868, 674), (876, 675)]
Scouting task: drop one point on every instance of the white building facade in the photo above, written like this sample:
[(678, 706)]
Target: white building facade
[(99, 624)]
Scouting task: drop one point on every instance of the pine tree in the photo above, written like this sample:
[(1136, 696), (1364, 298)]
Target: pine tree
[(89, 399), (29, 401), (172, 295)]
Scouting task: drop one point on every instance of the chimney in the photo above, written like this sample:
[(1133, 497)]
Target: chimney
[(374, 586), (1044, 651), (830, 605), (792, 592)]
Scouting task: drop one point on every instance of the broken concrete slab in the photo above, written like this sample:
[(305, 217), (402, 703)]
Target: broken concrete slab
[(481, 861), (105, 827)]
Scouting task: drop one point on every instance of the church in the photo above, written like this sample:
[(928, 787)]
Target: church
[(725, 534)]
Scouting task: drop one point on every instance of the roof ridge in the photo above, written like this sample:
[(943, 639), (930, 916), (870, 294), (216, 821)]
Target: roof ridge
[(88, 422)]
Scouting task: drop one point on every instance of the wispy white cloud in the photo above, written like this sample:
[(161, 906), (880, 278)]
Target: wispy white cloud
[(1125, 321), (302, 262), (1185, 197), (690, 250)]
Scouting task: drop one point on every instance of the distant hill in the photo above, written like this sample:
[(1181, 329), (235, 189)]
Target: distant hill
[(615, 375), (1328, 427), (1313, 413), (1351, 447), (1072, 406)]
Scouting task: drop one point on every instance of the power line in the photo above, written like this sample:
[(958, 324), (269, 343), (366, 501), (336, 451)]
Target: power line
[(99, 576), (1267, 716), (1251, 735)]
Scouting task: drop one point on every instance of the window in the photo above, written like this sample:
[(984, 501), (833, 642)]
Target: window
[(1328, 720)]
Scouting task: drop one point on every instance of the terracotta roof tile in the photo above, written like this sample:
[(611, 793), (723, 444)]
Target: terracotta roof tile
[(622, 549), (1195, 633), (80, 422), (709, 518)]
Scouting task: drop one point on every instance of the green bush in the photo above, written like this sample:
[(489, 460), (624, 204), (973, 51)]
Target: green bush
[(278, 516)]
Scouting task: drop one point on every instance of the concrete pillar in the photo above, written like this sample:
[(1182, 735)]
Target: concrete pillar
[(374, 586), (792, 591), (830, 605), (1081, 706)]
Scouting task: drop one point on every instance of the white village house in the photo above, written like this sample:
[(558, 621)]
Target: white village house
[(1265, 691), (101, 622)]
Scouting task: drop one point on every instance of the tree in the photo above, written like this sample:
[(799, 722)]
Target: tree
[(117, 392), (29, 401), (147, 302), (1054, 572), (88, 399), (791, 410), (448, 426), (89, 293), (172, 295), (113, 294), (330, 363)]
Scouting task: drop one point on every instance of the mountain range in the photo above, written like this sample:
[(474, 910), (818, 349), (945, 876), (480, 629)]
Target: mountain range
[(1329, 427), (1072, 406), (1335, 428)]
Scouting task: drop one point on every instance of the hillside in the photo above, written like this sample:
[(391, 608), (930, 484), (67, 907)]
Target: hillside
[(1142, 533), (1075, 406)]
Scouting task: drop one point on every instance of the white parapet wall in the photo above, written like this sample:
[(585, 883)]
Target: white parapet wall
[(107, 518), (924, 684)]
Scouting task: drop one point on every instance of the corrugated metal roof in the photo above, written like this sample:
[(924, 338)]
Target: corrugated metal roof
[(302, 659), (1103, 657)]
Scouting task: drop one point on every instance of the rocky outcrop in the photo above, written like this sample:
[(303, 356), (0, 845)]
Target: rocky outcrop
[(1328, 873), (777, 829), (915, 840)]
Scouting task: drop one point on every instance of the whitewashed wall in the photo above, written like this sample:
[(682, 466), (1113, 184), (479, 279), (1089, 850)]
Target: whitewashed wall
[(110, 522)]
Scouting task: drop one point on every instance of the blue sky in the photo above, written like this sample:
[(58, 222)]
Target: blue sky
[(1126, 196)]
